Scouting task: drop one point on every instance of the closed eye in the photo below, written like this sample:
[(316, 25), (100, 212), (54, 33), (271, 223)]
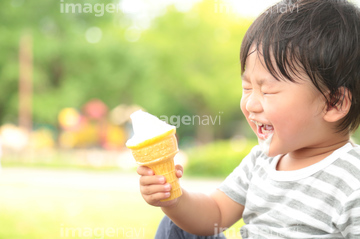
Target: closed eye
[(246, 87), (268, 93)]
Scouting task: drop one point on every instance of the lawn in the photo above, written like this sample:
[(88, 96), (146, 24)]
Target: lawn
[(49, 203)]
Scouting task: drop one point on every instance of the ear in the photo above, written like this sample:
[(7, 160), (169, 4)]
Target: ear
[(339, 107)]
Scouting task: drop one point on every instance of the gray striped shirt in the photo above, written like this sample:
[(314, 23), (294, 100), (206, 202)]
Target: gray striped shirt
[(319, 201)]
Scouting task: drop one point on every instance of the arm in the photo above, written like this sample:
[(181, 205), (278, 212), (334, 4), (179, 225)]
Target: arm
[(202, 214), (196, 213)]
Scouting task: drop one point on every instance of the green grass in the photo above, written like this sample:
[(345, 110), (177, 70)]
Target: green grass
[(63, 159), (43, 211)]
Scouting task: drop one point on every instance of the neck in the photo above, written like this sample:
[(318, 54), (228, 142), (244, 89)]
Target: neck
[(318, 151), (308, 156)]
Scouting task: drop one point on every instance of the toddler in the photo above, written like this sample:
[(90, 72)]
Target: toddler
[(300, 63)]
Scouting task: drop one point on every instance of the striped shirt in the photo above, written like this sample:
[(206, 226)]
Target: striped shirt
[(319, 201)]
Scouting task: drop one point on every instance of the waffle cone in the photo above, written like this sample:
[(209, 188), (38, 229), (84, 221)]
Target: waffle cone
[(159, 156)]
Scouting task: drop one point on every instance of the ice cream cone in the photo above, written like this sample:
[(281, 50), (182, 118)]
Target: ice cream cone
[(158, 154)]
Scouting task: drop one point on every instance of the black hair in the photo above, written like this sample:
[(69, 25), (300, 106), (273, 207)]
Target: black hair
[(318, 37)]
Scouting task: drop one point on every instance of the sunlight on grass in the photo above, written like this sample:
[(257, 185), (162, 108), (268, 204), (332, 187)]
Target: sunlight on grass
[(43, 211)]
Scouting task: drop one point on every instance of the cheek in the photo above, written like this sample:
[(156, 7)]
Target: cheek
[(287, 124), (246, 113), (243, 107)]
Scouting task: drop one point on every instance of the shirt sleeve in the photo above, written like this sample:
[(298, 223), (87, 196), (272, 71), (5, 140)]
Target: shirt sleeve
[(349, 220), (236, 184)]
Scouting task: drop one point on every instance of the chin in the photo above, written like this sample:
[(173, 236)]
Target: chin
[(273, 155), (274, 152)]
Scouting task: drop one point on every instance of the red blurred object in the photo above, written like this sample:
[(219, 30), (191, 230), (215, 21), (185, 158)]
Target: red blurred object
[(95, 109)]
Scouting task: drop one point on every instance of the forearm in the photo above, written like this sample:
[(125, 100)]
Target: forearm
[(195, 213)]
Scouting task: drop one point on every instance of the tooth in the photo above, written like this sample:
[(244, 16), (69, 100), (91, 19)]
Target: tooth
[(268, 127), (257, 123)]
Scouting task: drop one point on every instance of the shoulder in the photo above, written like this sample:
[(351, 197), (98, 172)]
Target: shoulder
[(349, 216), (348, 167), (355, 153)]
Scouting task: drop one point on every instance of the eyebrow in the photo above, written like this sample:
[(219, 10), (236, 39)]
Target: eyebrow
[(246, 79), (260, 82)]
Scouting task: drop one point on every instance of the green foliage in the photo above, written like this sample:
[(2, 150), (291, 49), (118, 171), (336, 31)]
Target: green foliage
[(217, 159), (196, 64), (185, 63)]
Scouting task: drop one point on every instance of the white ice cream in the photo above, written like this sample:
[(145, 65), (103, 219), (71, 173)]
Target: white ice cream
[(146, 126), (265, 144)]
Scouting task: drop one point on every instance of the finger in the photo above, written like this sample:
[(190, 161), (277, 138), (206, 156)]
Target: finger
[(150, 180), (153, 189), (143, 171), (179, 171), (179, 167), (155, 198)]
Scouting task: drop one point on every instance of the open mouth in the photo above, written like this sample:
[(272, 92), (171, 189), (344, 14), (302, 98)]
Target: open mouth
[(263, 130)]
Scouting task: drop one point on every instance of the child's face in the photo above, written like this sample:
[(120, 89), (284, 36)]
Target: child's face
[(291, 112)]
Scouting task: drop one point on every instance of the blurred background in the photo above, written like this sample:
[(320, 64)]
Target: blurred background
[(71, 73)]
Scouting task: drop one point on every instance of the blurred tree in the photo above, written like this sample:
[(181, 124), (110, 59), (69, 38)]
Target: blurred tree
[(195, 67), (185, 63)]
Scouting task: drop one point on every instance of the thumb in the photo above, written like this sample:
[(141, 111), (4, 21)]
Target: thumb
[(179, 171)]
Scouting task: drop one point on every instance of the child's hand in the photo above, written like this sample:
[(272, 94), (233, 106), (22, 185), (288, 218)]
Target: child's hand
[(154, 188)]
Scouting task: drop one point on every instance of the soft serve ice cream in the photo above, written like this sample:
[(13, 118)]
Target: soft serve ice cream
[(154, 145), (265, 134), (146, 127), (265, 144)]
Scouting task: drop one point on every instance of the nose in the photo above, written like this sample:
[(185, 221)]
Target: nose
[(253, 103)]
